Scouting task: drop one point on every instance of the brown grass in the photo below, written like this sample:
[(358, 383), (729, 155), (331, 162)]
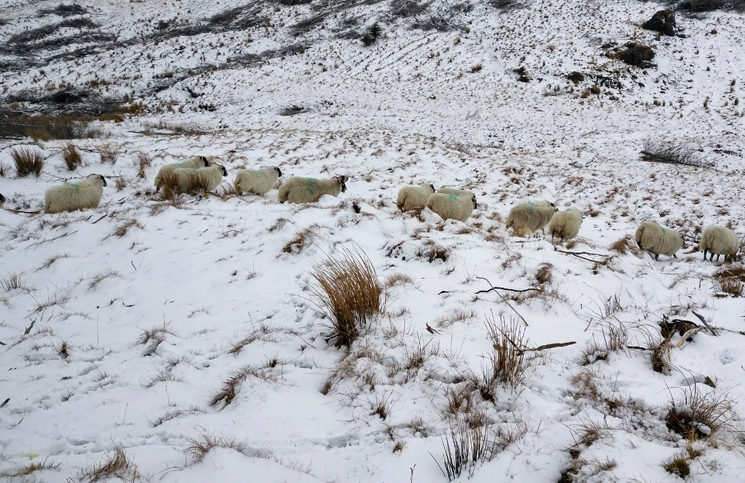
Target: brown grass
[(302, 239), (28, 469), (71, 156), (124, 228), (121, 183), (397, 278), (544, 274), (116, 465), (101, 277), (27, 161), (349, 292), (259, 333), (143, 162), (229, 389), (699, 415), (156, 336), (730, 280), (177, 413), (469, 447), (198, 448), (507, 364), (614, 339), (108, 153)]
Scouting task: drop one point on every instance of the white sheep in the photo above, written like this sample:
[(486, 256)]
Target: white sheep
[(410, 197), (256, 181), (451, 206), (565, 224), (307, 190), (719, 240), (191, 163), (75, 196), (206, 179), (530, 216), (658, 240), (453, 191)]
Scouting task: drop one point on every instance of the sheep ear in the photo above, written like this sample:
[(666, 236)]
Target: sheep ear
[(103, 180)]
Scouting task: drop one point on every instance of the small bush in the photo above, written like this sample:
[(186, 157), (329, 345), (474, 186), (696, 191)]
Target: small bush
[(371, 35), (507, 364), (72, 157), (28, 161), (143, 161), (349, 292)]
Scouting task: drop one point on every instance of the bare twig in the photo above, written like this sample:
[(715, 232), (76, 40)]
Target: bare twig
[(508, 289), (51, 240), (550, 346), (104, 216), (505, 300)]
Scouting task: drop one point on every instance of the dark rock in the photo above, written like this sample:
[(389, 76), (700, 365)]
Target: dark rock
[(662, 22)]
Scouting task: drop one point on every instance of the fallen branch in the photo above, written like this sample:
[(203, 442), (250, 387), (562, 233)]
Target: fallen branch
[(24, 212), (703, 321), (505, 300), (549, 346), (104, 216), (508, 289), (579, 255), (688, 334)]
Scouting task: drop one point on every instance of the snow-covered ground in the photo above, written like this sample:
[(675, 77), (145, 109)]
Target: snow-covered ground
[(121, 326)]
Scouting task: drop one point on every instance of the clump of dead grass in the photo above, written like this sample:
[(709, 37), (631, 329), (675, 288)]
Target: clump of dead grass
[(349, 292), (108, 153), (199, 447), (124, 228), (143, 162), (229, 389), (300, 241), (469, 447), (699, 415), (117, 465), (29, 469), (27, 161), (730, 280), (71, 156), (507, 364)]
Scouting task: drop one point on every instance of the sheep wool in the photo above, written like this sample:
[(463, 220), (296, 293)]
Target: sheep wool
[(205, 179), (565, 224), (410, 197), (453, 191), (451, 206), (658, 240), (719, 240), (192, 163), (530, 217), (307, 190), (257, 181), (75, 196)]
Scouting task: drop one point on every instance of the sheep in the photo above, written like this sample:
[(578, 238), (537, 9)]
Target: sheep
[(307, 190), (565, 224), (530, 216), (658, 240), (189, 180), (453, 191), (258, 181), (720, 241), (192, 163), (410, 197), (451, 206), (75, 196)]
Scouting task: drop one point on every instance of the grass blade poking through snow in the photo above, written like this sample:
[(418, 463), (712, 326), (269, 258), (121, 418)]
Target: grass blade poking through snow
[(349, 292)]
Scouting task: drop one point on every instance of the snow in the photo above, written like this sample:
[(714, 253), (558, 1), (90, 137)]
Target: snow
[(157, 318)]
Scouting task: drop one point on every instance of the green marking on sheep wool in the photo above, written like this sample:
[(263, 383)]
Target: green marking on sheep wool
[(74, 185), (530, 206), (452, 197), (312, 181), (664, 231)]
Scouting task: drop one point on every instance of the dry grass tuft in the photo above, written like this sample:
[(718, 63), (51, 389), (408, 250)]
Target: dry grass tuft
[(459, 315), (544, 274), (71, 156), (699, 415), (122, 229), (13, 282), (614, 339), (155, 337), (469, 447), (143, 162), (730, 280), (228, 392), (302, 239), (109, 153), (115, 466), (397, 278), (121, 183), (434, 251), (101, 277), (28, 469), (198, 448), (63, 350), (507, 365), (349, 292), (27, 161), (177, 413), (259, 333)]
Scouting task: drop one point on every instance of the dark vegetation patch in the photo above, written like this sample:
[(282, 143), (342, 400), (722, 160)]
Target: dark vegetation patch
[(671, 153), (407, 8), (506, 4), (711, 5), (47, 30), (662, 21), (291, 111), (14, 125), (64, 10), (291, 3), (371, 35), (634, 53)]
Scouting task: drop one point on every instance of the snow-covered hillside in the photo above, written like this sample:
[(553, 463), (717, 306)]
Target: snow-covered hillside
[(181, 340)]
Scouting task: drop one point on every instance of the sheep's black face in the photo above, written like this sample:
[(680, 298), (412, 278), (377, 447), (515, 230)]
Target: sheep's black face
[(279, 173), (205, 161), (224, 171), (2, 198), (342, 180), (433, 187), (103, 180), (474, 201)]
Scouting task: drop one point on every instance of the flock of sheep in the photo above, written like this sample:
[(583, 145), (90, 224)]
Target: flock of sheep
[(449, 203)]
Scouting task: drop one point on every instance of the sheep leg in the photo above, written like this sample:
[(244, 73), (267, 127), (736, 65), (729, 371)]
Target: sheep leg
[(718, 254), (656, 257), (705, 250)]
